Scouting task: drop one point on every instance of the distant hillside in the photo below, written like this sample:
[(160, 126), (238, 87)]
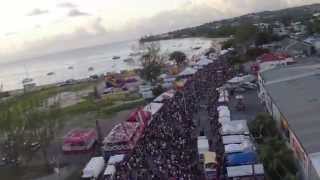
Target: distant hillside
[(227, 27)]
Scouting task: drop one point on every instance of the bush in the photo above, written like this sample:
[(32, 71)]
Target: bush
[(227, 44), (277, 158), (157, 90)]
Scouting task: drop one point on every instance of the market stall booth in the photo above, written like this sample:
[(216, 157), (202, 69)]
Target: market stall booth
[(122, 138), (245, 172)]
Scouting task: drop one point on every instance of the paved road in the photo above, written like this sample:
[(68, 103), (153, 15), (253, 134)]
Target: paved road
[(253, 106)]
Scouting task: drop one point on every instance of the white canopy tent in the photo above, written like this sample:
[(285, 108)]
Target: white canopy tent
[(224, 113), (245, 170), (153, 108), (222, 120), (93, 168), (235, 127), (223, 99), (188, 71), (204, 61), (115, 159), (235, 148), (222, 108), (166, 95), (110, 170), (235, 139), (203, 144)]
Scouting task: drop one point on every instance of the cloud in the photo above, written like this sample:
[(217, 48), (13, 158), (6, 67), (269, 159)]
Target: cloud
[(37, 12), (94, 30), (11, 34), (76, 13), (66, 5)]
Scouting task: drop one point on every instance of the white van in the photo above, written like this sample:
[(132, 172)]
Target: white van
[(109, 173), (93, 168), (203, 146)]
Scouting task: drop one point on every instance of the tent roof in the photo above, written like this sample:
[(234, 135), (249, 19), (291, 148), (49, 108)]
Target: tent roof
[(203, 145), (210, 157), (122, 132), (235, 127), (204, 61), (111, 169), (188, 71), (245, 170), (234, 139), (92, 166), (116, 159), (153, 108), (243, 158), (165, 95), (134, 116)]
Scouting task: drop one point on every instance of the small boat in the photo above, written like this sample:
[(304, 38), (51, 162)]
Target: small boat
[(90, 69), (129, 60), (70, 67), (196, 48), (27, 80), (50, 73), (115, 57)]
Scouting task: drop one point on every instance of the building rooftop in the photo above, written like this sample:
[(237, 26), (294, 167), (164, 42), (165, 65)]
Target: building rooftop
[(303, 67), (315, 160), (296, 92)]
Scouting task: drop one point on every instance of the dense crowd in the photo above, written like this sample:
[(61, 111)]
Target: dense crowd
[(168, 149)]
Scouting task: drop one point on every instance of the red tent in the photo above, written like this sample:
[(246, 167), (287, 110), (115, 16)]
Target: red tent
[(139, 115)]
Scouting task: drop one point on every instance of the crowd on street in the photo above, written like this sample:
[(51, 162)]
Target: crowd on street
[(168, 149)]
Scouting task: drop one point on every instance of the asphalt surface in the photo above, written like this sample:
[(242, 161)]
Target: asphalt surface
[(252, 104)]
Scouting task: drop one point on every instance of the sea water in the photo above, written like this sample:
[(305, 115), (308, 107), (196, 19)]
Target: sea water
[(100, 58)]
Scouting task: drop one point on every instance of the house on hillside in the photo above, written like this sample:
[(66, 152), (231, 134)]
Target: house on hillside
[(271, 60), (295, 48), (315, 41)]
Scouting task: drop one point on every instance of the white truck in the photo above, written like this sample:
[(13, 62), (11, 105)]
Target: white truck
[(203, 146), (93, 168)]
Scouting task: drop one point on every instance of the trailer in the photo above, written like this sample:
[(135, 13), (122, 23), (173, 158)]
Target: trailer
[(93, 168)]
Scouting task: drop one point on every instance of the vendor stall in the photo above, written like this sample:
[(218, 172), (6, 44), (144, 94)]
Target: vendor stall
[(246, 172), (235, 139), (236, 148), (243, 158), (235, 127), (122, 138)]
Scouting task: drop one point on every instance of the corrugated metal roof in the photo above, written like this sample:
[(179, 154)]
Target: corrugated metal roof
[(299, 101)]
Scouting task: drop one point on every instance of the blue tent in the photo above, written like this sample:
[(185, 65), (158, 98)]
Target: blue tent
[(241, 158)]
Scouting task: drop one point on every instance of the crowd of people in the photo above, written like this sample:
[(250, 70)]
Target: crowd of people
[(168, 149)]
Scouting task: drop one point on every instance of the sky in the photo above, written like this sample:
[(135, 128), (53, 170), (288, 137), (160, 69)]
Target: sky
[(36, 27)]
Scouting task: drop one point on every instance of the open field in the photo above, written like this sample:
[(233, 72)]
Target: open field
[(80, 109)]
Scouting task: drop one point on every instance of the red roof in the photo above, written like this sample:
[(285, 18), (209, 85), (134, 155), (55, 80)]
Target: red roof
[(122, 132), (80, 135), (134, 116), (267, 57)]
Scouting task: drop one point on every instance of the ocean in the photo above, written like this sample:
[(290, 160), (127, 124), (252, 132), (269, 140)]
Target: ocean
[(84, 62)]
